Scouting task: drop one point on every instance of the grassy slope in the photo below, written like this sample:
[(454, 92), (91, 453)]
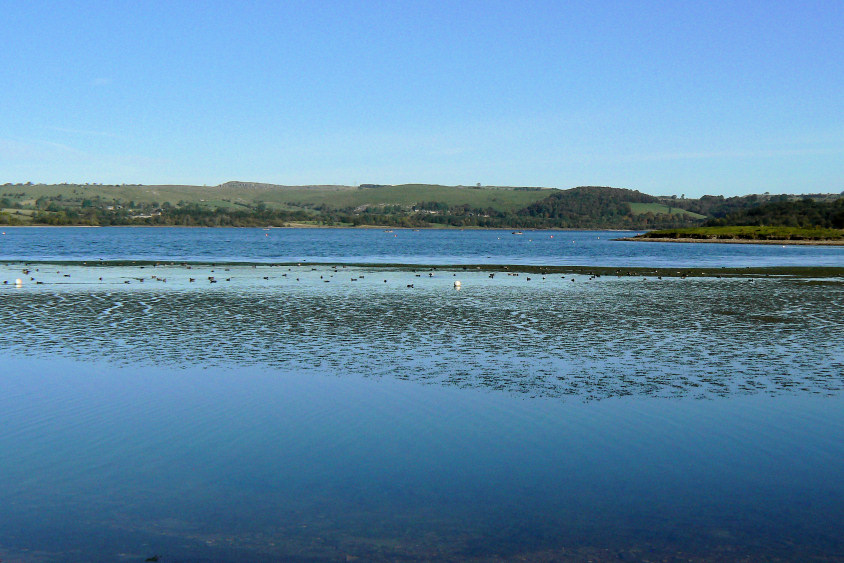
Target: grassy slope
[(238, 196), (408, 194), (640, 208), (22, 215), (287, 196), (145, 194)]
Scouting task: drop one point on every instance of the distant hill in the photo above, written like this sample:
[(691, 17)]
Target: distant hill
[(605, 207), (243, 204)]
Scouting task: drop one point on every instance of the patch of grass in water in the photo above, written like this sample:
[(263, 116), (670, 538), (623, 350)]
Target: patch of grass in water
[(749, 233)]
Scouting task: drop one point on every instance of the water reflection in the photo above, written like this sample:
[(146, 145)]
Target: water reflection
[(591, 338), (277, 415)]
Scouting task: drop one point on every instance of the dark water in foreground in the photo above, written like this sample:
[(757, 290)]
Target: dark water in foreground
[(256, 465), (314, 413)]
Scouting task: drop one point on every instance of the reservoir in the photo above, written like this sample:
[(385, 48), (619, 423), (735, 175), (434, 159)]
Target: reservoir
[(329, 395)]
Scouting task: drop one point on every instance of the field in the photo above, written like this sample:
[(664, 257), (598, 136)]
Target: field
[(245, 204), (235, 195), (641, 208)]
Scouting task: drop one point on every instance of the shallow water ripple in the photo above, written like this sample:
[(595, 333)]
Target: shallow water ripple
[(609, 337)]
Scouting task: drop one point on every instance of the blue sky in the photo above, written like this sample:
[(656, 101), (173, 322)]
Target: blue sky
[(665, 97)]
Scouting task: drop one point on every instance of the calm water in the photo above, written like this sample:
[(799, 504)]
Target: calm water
[(586, 248), (319, 413)]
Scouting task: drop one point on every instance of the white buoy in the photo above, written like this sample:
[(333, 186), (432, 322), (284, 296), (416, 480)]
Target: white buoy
[(18, 282), (457, 283)]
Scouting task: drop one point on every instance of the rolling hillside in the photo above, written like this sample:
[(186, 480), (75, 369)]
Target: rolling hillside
[(409, 205)]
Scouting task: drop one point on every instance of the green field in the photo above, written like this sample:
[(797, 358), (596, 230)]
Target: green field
[(502, 199), (16, 216), (235, 195), (245, 204), (642, 208)]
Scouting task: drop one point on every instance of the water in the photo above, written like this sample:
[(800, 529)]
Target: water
[(587, 248), (290, 413)]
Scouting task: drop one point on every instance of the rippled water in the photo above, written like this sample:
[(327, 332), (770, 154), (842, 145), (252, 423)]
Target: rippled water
[(334, 413), (532, 334)]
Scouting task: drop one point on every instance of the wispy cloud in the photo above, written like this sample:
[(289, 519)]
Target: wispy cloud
[(83, 132), (15, 150), (48, 161)]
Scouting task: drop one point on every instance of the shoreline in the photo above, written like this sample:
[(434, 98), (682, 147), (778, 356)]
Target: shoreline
[(781, 242), (347, 227), (609, 271)]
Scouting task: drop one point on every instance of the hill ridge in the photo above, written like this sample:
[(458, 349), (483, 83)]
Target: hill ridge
[(240, 203)]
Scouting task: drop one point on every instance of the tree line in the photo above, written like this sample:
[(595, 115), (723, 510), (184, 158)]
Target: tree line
[(589, 207), (805, 213)]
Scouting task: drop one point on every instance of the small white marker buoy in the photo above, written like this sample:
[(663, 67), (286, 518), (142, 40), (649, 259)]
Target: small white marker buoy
[(18, 282), (457, 283)]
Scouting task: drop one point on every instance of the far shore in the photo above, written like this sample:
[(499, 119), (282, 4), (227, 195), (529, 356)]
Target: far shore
[(780, 242), (293, 225)]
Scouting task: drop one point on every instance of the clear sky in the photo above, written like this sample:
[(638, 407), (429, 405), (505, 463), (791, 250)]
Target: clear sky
[(675, 97)]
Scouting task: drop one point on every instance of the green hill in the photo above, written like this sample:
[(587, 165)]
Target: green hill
[(408, 205), (605, 207), (406, 195), (643, 208), (234, 194)]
